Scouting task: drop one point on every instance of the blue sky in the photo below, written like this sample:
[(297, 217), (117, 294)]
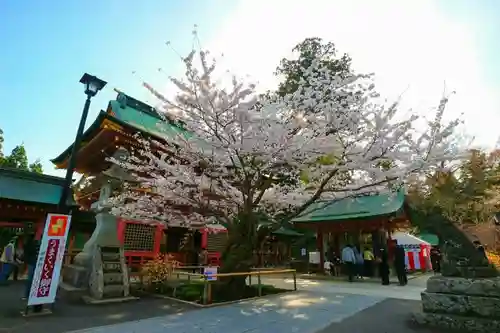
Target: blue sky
[(47, 46), (484, 17)]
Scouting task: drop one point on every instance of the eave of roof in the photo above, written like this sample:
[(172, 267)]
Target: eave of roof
[(87, 135), (31, 187), (353, 208)]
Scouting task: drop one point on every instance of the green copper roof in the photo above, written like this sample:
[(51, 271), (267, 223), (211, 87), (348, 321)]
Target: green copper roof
[(144, 122), (429, 238), (134, 114), (30, 187), (353, 208)]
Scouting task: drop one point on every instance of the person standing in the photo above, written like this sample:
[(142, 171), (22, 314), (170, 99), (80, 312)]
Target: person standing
[(203, 257), (18, 261), (436, 259), (384, 267), (327, 267), (30, 257), (359, 262), (336, 265), (349, 260), (7, 261), (368, 262), (400, 265)]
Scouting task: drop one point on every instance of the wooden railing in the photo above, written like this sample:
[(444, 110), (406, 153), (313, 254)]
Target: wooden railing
[(207, 289)]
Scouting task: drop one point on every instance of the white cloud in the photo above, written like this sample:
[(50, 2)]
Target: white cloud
[(411, 46)]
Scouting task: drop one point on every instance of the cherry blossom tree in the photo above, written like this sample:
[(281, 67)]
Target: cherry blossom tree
[(235, 154)]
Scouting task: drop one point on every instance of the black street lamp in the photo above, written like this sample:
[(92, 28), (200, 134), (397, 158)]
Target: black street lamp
[(92, 86)]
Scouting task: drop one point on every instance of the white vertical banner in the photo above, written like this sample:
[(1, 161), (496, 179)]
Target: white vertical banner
[(50, 258)]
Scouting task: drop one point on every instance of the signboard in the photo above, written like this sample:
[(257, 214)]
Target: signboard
[(50, 258), (210, 273), (303, 252), (314, 257)]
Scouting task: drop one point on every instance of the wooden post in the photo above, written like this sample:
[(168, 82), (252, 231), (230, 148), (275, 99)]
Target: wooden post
[(294, 280), (319, 244), (209, 288), (260, 284), (337, 243), (205, 290)]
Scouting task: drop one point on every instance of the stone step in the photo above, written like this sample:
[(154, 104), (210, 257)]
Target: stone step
[(113, 291), (112, 278), (111, 267), (456, 285), (75, 275), (111, 256), (71, 293), (456, 323), (110, 249), (90, 300), (488, 307)]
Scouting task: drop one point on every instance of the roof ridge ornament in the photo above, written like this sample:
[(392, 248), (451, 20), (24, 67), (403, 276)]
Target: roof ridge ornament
[(122, 100)]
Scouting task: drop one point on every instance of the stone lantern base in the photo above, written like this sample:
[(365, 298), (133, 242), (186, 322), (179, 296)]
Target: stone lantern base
[(462, 304), (99, 273)]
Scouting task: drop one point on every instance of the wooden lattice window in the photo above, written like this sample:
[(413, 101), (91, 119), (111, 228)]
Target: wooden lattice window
[(139, 237), (216, 242)]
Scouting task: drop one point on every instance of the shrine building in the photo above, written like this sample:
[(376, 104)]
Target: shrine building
[(366, 221), (114, 128), (25, 200)]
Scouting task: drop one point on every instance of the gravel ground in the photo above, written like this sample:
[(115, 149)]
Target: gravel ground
[(70, 317)]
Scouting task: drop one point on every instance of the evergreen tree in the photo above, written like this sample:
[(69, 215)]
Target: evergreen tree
[(18, 158)]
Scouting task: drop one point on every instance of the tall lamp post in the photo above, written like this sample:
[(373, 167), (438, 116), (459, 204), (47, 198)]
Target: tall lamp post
[(92, 86)]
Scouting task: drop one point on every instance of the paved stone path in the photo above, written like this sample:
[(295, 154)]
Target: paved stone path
[(301, 312), (319, 306)]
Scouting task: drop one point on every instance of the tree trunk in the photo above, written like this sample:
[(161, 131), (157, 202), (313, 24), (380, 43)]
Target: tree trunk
[(238, 255)]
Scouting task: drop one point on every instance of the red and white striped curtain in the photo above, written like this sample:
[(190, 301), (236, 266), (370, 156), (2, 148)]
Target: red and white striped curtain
[(417, 257)]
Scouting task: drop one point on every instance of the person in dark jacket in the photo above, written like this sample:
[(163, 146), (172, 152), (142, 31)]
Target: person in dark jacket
[(400, 265), (436, 259), (30, 257), (479, 247), (383, 266)]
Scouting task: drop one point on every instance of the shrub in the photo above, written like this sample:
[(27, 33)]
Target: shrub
[(494, 259), (159, 269), (190, 295)]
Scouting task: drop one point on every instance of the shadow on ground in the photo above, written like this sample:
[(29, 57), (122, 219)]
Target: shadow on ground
[(69, 317), (388, 316)]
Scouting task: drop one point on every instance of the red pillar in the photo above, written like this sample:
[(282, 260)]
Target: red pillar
[(204, 238), (122, 224), (39, 226), (157, 241)]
